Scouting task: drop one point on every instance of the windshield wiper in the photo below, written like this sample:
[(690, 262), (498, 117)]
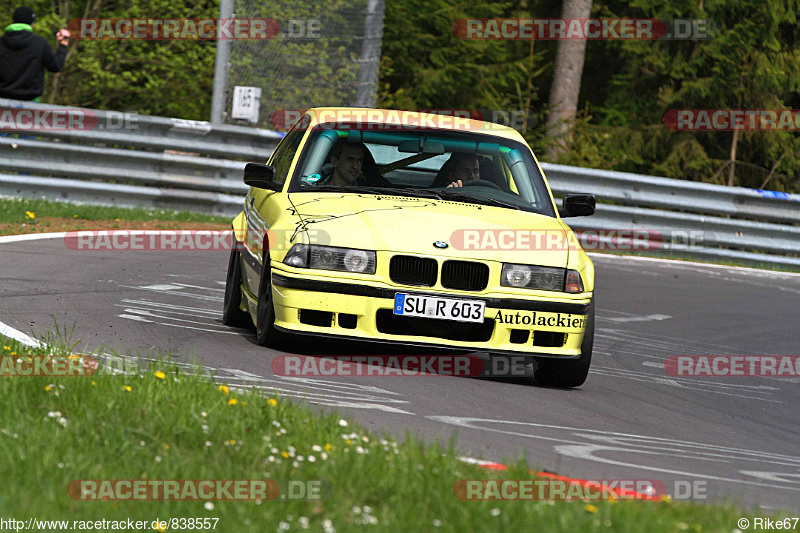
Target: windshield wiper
[(484, 200), (410, 191), (386, 191), (323, 188)]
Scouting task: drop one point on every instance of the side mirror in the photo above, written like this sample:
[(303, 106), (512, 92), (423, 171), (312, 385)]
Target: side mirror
[(577, 205), (261, 177)]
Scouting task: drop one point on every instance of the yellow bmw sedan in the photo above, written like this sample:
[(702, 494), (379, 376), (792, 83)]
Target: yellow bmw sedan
[(418, 229)]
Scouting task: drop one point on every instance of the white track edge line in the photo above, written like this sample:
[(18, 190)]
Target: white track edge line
[(42, 236), (18, 336), (62, 234), (32, 237), (692, 263)]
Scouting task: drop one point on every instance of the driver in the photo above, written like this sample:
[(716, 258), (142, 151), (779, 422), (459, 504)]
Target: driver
[(463, 168), (347, 160)]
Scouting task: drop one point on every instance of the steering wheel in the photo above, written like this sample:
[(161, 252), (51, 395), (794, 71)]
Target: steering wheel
[(480, 183)]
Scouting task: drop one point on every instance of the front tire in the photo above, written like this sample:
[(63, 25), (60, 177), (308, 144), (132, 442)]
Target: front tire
[(571, 372), (266, 334), (232, 315)]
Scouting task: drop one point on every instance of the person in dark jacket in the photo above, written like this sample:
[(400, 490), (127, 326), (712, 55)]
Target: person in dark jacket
[(24, 56)]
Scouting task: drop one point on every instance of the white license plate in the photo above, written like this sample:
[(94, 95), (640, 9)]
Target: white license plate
[(437, 307)]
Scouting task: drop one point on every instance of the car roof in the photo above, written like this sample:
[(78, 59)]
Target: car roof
[(442, 122)]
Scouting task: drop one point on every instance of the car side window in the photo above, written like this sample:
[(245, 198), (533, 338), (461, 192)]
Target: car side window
[(285, 152)]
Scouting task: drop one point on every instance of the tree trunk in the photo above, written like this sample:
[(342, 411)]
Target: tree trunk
[(772, 171), (91, 10), (63, 11), (566, 81), (732, 169)]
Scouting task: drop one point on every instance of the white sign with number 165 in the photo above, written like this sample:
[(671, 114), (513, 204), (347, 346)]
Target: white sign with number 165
[(246, 102)]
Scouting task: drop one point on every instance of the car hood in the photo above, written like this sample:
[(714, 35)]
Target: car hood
[(412, 225)]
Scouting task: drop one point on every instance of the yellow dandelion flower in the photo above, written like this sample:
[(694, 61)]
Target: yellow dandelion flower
[(94, 384), (48, 388), (285, 455), (127, 388), (160, 375), (74, 216), (327, 447), (13, 353), (6, 347), (665, 498), (30, 214), (233, 401), (166, 446), (348, 442), (223, 389), (591, 508), (272, 401)]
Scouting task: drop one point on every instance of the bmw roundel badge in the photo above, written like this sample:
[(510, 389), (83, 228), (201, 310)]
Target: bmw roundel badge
[(440, 244)]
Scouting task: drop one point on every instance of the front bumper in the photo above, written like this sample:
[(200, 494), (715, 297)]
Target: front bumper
[(318, 305)]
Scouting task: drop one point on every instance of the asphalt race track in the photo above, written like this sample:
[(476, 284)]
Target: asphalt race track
[(737, 438)]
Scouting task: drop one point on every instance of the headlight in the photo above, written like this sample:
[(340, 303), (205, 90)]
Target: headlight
[(516, 275), (331, 258), (358, 261), (532, 277), (297, 256)]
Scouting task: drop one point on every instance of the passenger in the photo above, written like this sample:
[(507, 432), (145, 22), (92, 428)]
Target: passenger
[(463, 168)]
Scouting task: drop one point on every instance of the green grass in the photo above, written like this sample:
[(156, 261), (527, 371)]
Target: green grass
[(12, 210), (182, 427)]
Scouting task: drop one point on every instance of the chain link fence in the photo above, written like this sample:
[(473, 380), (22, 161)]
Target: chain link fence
[(327, 54)]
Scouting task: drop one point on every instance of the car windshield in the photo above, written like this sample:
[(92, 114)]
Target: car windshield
[(453, 166)]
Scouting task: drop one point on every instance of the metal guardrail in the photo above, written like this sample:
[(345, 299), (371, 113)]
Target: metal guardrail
[(731, 223), (48, 158), (113, 128), (128, 159), (77, 191), (666, 193), (177, 164)]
